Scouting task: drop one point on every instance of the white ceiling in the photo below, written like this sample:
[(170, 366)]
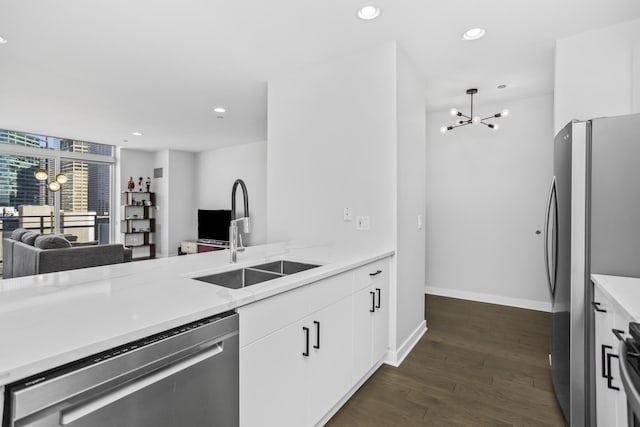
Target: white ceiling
[(98, 70)]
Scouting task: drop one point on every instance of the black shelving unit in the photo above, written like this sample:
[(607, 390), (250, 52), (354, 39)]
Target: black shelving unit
[(138, 224)]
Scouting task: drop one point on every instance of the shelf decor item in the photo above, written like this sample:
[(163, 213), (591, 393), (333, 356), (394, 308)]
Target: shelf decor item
[(148, 183), (131, 185), (464, 120), (140, 184)]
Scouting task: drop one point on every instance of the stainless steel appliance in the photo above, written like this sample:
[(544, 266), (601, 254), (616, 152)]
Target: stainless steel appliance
[(630, 373), (591, 226), (187, 376)]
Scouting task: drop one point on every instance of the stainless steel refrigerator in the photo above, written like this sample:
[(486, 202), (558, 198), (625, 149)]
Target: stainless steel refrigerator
[(592, 225)]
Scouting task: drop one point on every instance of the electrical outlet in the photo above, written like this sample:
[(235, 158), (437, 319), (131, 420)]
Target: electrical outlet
[(347, 214), (363, 223)]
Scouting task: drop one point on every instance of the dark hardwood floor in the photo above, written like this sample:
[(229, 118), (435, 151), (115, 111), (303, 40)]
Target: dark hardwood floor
[(478, 365)]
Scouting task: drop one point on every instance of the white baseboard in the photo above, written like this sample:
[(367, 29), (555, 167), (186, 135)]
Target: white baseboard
[(491, 299), (395, 358)]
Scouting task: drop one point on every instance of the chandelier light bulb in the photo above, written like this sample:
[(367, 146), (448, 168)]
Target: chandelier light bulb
[(504, 113), (53, 186), (41, 175), (443, 129), (496, 127), (476, 120), (453, 112)]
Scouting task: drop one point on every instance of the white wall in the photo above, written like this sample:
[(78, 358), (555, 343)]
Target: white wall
[(486, 194), (411, 192), (597, 74), (183, 188), (161, 187), (331, 145), (350, 133), (218, 169)]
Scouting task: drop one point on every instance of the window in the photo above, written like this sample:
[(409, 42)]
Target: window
[(81, 208)]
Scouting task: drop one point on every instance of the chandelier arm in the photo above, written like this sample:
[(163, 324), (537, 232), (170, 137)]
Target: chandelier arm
[(460, 125), (486, 124), (493, 116), (463, 115)]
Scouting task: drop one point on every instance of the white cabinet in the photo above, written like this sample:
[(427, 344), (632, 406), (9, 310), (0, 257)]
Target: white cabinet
[(297, 349), (611, 401), (272, 376), (328, 362), (370, 316)]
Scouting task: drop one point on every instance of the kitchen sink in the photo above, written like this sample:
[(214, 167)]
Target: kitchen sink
[(285, 267), (241, 277)]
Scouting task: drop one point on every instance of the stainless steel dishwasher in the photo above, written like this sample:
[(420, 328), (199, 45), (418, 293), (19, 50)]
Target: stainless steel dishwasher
[(187, 376)]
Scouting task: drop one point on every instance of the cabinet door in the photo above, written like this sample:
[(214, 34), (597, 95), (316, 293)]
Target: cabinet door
[(273, 379), (621, 323), (381, 315), (363, 314), (605, 344), (330, 364)]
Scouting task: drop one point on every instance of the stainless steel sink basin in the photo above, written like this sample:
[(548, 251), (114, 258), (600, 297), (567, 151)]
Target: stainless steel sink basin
[(236, 279), (284, 267), (240, 278)]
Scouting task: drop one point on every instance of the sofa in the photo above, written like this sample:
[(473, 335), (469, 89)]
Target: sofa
[(25, 253)]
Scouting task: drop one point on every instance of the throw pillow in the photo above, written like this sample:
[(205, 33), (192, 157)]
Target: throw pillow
[(51, 241), (29, 238), (17, 233)]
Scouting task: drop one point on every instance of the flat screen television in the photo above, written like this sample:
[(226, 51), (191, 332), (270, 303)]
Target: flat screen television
[(214, 224)]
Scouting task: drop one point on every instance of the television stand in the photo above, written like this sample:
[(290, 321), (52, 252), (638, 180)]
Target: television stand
[(203, 245)]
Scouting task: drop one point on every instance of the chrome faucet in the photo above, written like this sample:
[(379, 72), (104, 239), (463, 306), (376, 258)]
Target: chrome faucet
[(234, 234)]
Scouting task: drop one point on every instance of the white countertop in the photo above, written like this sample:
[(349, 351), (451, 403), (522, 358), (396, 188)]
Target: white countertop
[(52, 319), (624, 291)]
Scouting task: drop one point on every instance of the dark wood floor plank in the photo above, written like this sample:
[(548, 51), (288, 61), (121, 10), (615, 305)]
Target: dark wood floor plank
[(478, 365)]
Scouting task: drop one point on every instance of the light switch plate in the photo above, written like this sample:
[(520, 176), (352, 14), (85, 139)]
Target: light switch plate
[(363, 223), (347, 214), (420, 222)]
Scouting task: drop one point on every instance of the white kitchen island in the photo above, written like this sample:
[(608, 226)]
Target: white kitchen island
[(49, 320)]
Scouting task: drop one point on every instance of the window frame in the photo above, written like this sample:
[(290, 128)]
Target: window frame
[(57, 157)]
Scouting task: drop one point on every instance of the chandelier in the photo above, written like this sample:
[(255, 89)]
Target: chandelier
[(471, 119)]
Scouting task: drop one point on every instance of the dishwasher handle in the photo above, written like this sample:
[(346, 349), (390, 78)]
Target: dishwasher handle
[(73, 414)]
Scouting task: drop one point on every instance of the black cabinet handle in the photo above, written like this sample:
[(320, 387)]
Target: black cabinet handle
[(618, 333), (603, 358), (306, 332), (378, 292), (596, 307), (376, 273), (373, 302), (609, 376), (317, 345)]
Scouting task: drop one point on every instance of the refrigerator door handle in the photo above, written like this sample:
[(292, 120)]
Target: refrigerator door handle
[(546, 235), (555, 238)]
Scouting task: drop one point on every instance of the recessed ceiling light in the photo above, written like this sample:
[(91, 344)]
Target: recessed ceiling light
[(502, 86), (136, 133), (220, 110), (474, 34), (3, 40), (368, 12)]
